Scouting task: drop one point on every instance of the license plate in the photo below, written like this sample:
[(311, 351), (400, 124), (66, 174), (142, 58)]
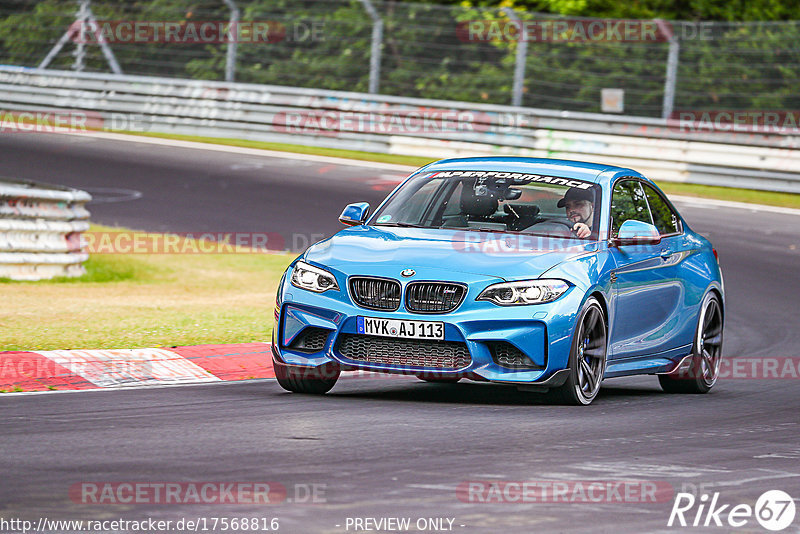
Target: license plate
[(374, 326)]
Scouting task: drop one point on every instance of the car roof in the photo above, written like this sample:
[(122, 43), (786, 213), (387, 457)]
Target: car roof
[(580, 170)]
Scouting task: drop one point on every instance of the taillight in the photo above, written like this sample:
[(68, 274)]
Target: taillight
[(715, 253)]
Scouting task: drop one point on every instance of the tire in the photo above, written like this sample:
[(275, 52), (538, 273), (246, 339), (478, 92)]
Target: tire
[(702, 371), (311, 380), (587, 357)]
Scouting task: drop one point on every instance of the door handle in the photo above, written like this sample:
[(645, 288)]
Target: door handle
[(666, 253)]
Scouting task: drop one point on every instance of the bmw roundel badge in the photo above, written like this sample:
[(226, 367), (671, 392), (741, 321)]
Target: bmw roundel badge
[(408, 272)]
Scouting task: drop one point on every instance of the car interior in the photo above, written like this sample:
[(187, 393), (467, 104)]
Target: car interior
[(489, 206)]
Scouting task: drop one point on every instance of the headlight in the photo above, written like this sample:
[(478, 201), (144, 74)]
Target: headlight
[(312, 278), (525, 292)]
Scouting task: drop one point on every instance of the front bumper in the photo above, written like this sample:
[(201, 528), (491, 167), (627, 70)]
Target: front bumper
[(543, 332)]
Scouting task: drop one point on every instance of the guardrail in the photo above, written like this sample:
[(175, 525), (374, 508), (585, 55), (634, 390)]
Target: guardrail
[(40, 230), (662, 149)]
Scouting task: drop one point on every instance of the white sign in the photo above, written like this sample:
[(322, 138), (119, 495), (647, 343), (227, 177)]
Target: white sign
[(612, 100)]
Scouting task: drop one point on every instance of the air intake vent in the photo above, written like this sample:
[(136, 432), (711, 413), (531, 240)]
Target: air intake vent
[(434, 297), (406, 353), (507, 355), (375, 293), (310, 340)]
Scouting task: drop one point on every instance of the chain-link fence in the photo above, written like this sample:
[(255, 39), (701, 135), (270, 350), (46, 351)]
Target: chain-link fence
[(421, 50)]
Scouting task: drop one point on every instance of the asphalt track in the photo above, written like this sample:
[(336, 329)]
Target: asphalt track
[(395, 447)]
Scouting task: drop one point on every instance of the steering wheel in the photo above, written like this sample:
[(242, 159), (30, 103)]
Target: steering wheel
[(556, 227)]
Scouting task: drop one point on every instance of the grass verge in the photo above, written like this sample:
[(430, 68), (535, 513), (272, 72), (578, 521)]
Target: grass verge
[(787, 200), (145, 300)]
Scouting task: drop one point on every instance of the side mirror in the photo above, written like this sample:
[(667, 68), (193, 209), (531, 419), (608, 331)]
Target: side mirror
[(354, 214), (636, 233)]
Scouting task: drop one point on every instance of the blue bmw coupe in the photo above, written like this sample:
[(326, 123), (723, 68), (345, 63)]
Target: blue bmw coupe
[(548, 275)]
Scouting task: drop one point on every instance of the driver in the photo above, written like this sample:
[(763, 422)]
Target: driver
[(579, 204)]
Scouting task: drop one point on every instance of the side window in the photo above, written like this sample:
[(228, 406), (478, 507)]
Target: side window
[(628, 202), (665, 219)]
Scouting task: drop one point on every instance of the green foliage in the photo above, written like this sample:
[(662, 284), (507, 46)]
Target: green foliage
[(22, 34), (326, 44), (695, 10)]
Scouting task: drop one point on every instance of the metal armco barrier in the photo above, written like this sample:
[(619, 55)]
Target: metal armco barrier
[(389, 124), (40, 230)]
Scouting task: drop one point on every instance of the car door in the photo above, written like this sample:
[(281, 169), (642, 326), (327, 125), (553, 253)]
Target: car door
[(676, 251), (647, 293)]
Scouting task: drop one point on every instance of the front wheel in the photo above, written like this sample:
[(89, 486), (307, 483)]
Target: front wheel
[(313, 380), (703, 369), (587, 358)]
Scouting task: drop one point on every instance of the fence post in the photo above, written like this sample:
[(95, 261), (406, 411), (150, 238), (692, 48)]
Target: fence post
[(672, 69), (375, 49), (84, 18), (80, 50), (230, 57), (522, 54)]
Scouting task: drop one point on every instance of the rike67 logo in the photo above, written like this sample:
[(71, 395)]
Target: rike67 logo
[(774, 510)]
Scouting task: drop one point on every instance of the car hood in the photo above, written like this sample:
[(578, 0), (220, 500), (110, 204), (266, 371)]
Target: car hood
[(434, 253)]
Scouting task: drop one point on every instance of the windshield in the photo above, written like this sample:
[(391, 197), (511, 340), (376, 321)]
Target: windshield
[(495, 201)]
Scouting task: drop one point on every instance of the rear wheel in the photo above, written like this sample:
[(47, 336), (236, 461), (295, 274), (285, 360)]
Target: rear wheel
[(313, 380), (587, 358), (701, 373)]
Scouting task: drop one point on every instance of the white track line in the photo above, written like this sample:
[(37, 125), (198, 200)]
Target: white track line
[(249, 151), (129, 367), (129, 388)]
